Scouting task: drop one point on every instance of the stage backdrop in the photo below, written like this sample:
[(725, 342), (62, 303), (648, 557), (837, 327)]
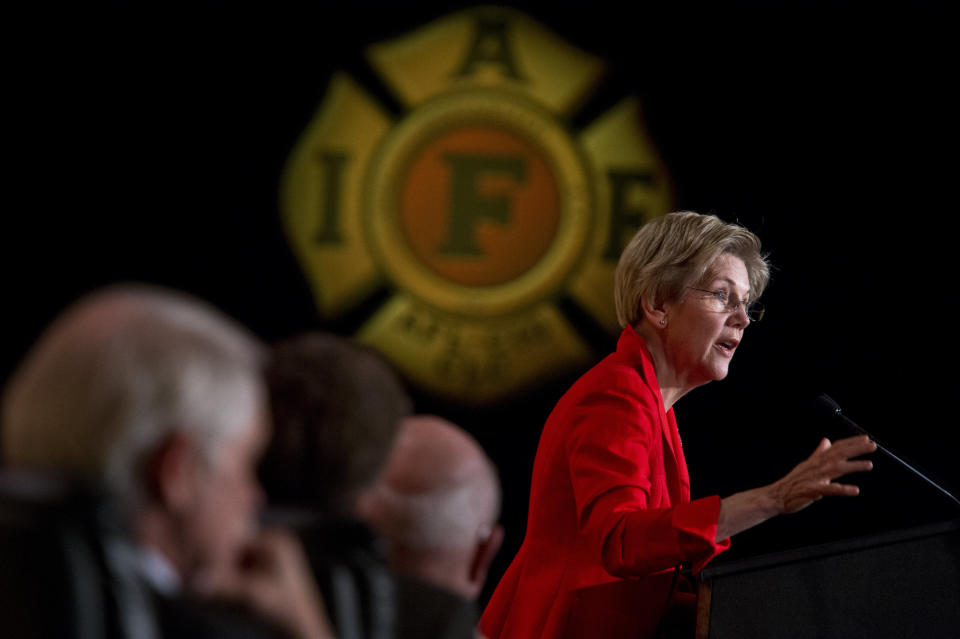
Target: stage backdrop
[(453, 185)]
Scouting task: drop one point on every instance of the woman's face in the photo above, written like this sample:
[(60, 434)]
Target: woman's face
[(700, 337)]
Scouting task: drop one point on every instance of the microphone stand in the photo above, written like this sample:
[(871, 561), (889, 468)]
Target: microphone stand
[(834, 409)]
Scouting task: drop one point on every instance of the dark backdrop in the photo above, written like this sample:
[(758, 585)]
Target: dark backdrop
[(147, 145)]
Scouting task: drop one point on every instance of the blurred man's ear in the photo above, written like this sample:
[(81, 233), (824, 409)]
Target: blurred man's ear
[(171, 473), (487, 548)]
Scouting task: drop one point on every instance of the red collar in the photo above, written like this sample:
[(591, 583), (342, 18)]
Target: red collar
[(631, 346)]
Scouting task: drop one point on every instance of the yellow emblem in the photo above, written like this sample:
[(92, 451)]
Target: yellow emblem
[(479, 208)]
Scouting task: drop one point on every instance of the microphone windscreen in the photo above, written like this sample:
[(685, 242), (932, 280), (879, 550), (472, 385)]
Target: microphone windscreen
[(826, 403)]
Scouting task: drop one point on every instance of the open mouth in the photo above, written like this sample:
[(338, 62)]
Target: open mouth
[(727, 346)]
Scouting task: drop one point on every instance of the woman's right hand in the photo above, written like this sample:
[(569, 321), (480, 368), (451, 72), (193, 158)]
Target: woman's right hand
[(805, 484), (814, 477)]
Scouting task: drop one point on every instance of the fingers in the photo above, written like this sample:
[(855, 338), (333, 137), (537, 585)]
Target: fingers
[(839, 490), (855, 466), (831, 469), (854, 446), (814, 478), (842, 449)]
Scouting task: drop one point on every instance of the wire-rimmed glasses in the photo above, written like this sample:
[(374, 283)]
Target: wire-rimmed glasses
[(724, 302)]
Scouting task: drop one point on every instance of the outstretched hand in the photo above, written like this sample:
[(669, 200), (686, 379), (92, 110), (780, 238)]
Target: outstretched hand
[(811, 480), (814, 477)]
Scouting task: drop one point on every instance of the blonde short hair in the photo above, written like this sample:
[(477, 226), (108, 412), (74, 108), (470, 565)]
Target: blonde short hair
[(677, 250)]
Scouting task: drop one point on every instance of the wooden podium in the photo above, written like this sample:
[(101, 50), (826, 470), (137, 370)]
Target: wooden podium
[(899, 584)]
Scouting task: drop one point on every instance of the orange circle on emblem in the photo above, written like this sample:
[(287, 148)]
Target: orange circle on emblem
[(479, 205)]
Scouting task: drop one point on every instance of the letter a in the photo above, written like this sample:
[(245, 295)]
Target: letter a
[(490, 46)]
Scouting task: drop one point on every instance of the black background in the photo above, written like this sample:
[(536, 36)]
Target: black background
[(146, 144)]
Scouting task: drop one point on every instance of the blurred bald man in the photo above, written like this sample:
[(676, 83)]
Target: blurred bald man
[(437, 504), (159, 399)]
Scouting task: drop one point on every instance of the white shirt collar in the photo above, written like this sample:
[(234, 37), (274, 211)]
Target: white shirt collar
[(157, 571)]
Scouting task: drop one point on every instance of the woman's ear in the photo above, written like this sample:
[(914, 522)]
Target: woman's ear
[(655, 314)]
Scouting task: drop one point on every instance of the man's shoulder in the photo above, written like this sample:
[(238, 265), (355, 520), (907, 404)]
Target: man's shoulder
[(426, 610), (189, 617), (343, 540)]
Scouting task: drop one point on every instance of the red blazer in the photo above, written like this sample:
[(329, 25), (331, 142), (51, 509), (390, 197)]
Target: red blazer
[(610, 512)]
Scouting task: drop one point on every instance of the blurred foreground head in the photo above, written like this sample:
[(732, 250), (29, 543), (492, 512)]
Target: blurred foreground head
[(336, 407), (158, 397), (437, 503)]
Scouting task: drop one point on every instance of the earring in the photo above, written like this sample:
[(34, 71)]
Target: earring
[(663, 321)]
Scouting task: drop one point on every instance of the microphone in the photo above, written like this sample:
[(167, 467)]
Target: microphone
[(826, 403)]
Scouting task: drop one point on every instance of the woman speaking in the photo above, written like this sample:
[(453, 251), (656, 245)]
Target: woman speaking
[(610, 513)]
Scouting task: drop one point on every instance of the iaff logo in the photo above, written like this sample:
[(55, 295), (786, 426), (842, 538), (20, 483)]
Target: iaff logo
[(479, 207)]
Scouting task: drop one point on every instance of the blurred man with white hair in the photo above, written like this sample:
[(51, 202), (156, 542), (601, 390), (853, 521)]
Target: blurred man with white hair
[(437, 504), (159, 398)]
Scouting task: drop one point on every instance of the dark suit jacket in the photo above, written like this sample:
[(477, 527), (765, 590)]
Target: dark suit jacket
[(426, 611), (188, 618), (62, 577), (349, 562)]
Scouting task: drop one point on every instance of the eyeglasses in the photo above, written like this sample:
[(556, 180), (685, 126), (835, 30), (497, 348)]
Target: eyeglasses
[(722, 302)]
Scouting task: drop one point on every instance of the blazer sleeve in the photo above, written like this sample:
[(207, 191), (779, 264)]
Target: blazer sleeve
[(613, 441)]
